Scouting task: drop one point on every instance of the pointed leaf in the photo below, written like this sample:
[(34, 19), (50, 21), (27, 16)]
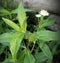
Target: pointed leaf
[(21, 14), (45, 49), (41, 43), (15, 11), (28, 10), (29, 57), (47, 35), (24, 26), (21, 56), (48, 22), (15, 44), (4, 11), (40, 57), (12, 24), (6, 38)]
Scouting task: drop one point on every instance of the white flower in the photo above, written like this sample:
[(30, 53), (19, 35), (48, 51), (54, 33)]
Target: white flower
[(38, 15), (44, 13)]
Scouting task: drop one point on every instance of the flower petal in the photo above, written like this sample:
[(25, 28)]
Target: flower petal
[(38, 15), (44, 13)]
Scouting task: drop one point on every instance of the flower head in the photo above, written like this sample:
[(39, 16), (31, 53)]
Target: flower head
[(43, 13)]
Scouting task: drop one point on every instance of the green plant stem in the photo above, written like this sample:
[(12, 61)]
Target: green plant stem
[(32, 47), (41, 21), (28, 44), (14, 58), (42, 18)]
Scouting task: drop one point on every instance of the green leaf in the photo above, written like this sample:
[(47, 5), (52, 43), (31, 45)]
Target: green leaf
[(15, 11), (31, 36), (40, 57), (15, 44), (21, 56), (4, 11), (21, 14), (47, 35), (45, 49), (12, 24), (28, 10), (54, 48), (48, 22), (29, 57), (5, 38), (41, 43), (24, 26)]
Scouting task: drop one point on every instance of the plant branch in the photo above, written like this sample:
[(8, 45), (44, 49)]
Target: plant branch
[(32, 47)]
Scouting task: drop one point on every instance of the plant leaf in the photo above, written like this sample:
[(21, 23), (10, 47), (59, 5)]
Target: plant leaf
[(21, 56), (40, 57), (28, 10), (12, 24), (15, 11), (4, 11), (5, 38), (15, 44), (41, 43), (48, 22), (29, 57), (45, 49), (47, 35), (21, 14), (31, 36), (23, 28)]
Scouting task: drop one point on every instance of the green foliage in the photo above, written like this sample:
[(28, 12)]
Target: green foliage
[(12, 24), (25, 46), (15, 11), (4, 11), (6, 38), (45, 49), (21, 14), (48, 22), (30, 36), (16, 41), (40, 57), (21, 56), (23, 28), (46, 35), (29, 57)]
